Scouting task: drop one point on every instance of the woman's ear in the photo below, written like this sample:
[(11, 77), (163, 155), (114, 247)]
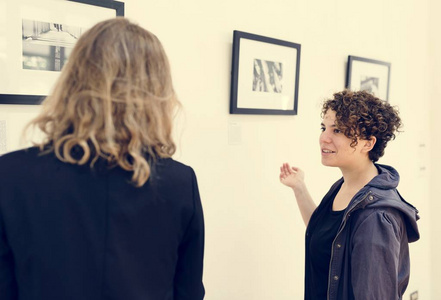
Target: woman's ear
[(369, 144)]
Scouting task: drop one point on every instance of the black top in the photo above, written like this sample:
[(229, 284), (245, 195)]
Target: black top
[(326, 223), (69, 232)]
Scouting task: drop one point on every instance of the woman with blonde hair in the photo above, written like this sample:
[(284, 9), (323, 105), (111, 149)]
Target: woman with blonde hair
[(99, 209)]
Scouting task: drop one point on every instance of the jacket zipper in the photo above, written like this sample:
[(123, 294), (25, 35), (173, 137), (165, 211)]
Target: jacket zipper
[(345, 218)]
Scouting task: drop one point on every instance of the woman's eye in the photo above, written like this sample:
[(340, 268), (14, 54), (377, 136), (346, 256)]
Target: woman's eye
[(337, 131), (322, 129)]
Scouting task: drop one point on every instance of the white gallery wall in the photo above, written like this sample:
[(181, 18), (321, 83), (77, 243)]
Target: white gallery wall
[(435, 160), (254, 232)]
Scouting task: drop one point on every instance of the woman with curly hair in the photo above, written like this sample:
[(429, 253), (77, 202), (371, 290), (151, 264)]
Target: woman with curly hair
[(357, 238), (100, 210)]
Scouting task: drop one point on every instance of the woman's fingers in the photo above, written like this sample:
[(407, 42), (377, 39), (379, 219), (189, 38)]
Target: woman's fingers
[(282, 173), (287, 168), (283, 169)]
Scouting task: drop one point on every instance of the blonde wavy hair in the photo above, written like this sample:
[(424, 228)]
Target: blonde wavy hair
[(114, 99)]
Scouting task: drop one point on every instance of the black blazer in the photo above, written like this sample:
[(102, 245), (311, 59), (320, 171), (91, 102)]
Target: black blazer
[(69, 232)]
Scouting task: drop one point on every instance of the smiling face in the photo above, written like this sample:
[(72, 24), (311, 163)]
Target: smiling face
[(336, 148)]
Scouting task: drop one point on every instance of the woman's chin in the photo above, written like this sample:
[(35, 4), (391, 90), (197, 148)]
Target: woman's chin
[(327, 163)]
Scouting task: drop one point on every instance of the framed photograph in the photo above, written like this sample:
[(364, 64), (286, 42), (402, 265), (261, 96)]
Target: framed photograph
[(264, 76), (36, 39), (368, 75)]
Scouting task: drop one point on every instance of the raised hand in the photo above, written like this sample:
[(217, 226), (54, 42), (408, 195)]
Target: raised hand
[(291, 176), (295, 179)]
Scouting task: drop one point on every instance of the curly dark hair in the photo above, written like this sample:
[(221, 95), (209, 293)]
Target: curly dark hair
[(361, 115)]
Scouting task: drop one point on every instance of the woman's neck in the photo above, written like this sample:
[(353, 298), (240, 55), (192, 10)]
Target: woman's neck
[(358, 176)]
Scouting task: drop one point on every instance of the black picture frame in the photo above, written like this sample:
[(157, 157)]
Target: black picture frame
[(111, 4), (370, 75), (29, 99), (265, 75)]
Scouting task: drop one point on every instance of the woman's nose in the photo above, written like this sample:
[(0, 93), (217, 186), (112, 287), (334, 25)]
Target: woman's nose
[(325, 137)]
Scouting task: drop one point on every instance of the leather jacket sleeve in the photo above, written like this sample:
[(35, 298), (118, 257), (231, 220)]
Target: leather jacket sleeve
[(377, 250)]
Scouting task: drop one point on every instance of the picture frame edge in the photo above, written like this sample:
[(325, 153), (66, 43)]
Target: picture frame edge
[(352, 58), (30, 99), (237, 35)]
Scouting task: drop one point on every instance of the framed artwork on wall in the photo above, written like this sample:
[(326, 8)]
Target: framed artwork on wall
[(36, 39), (264, 76), (368, 75)]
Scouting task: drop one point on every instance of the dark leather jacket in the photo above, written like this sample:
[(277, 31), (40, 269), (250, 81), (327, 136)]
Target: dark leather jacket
[(370, 254)]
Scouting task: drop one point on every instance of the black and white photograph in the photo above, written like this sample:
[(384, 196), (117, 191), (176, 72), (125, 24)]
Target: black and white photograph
[(369, 84), (40, 36), (265, 75), (46, 46), (364, 74)]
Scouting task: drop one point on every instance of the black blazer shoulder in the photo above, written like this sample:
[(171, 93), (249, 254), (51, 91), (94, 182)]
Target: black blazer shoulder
[(75, 232)]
